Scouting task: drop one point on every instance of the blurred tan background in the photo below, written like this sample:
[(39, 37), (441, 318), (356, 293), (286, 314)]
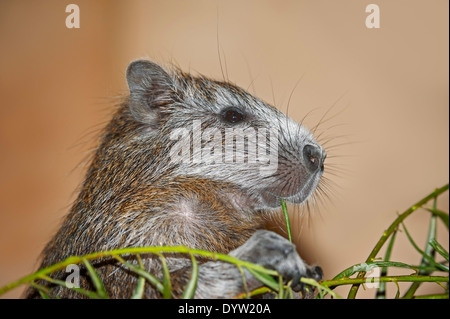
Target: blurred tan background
[(386, 135)]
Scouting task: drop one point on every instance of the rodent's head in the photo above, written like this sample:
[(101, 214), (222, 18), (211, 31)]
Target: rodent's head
[(216, 130)]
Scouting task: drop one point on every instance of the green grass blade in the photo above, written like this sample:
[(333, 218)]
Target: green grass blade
[(391, 229), (256, 292), (321, 288), (191, 286), (132, 250), (138, 292), (397, 294), (266, 279), (281, 292), (412, 278), (381, 291), (286, 218), (439, 249), (141, 272), (43, 291), (442, 215), (428, 251), (435, 296), (43, 295), (244, 283), (290, 293), (366, 267), (87, 293), (101, 292), (429, 258), (167, 285)]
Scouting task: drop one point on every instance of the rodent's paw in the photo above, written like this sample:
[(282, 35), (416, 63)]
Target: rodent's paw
[(273, 251)]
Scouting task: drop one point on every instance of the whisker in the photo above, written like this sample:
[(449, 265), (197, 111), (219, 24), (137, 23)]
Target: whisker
[(292, 92), (218, 45), (252, 79), (322, 119)]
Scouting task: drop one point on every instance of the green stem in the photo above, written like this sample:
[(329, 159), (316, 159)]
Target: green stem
[(428, 252), (391, 229), (381, 292), (286, 217), (358, 281), (436, 296), (256, 292), (134, 250)]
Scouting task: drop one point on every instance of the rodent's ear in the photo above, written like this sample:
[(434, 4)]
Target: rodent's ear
[(143, 75), (150, 88)]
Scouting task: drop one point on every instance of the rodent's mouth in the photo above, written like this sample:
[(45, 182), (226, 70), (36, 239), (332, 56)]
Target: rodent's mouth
[(272, 196)]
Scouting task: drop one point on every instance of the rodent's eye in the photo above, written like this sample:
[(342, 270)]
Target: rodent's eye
[(233, 115)]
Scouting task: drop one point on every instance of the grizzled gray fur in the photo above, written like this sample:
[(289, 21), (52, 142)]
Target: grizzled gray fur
[(215, 196)]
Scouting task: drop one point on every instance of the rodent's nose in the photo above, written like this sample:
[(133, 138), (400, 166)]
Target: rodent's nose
[(314, 157)]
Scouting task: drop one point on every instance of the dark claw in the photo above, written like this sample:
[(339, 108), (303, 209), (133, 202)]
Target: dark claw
[(315, 273)]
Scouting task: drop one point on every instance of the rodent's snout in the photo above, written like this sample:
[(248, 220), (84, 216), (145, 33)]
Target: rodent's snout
[(314, 157)]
